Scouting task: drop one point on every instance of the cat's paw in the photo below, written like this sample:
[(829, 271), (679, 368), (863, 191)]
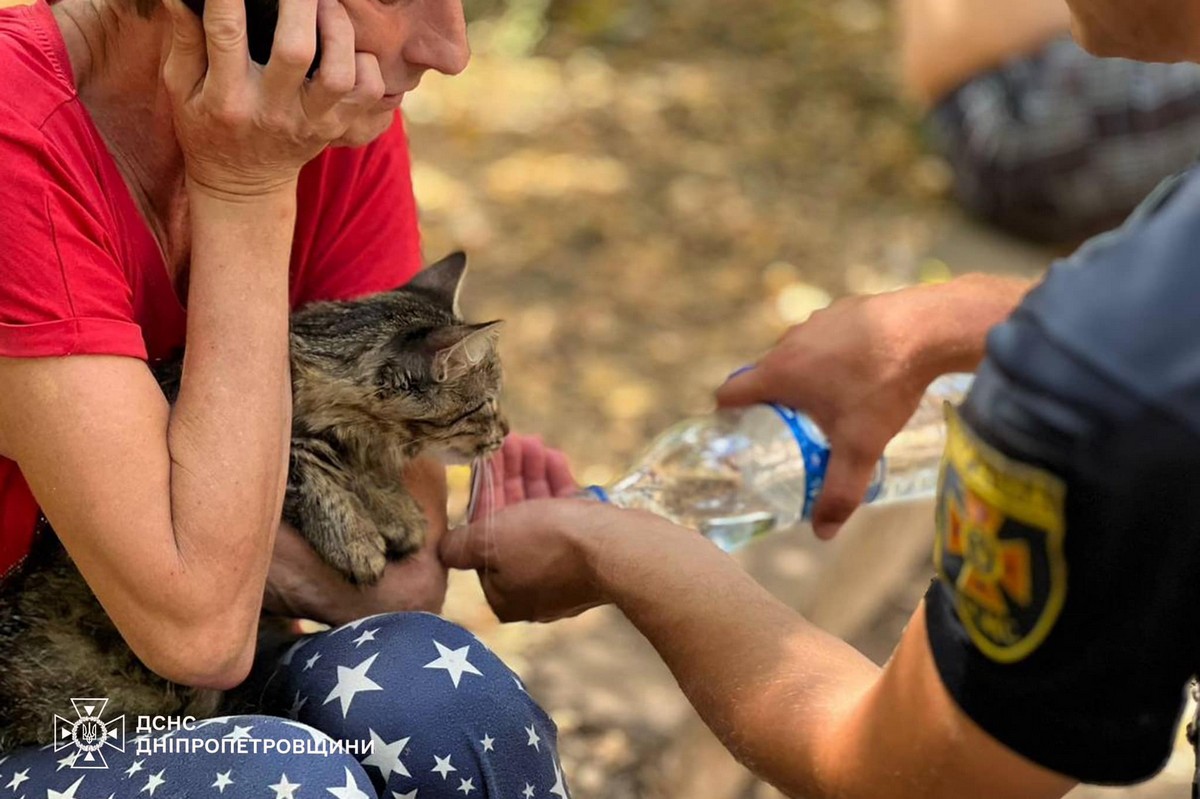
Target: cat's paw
[(403, 540), (361, 560)]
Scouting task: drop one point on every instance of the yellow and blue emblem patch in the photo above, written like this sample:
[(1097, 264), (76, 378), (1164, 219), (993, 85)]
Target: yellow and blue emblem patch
[(999, 544)]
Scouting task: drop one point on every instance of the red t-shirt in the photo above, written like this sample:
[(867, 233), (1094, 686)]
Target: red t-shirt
[(80, 271)]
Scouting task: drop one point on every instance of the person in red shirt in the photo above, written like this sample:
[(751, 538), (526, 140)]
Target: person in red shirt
[(160, 188)]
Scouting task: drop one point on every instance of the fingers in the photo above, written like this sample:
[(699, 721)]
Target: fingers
[(744, 388), (514, 479), (846, 480), (293, 48), (227, 48), (558, 474), (533, 454), (336, 76), (187, 58), (368, 82)]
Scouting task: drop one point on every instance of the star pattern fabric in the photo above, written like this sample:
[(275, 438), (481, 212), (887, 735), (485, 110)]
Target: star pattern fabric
[(443, 717)]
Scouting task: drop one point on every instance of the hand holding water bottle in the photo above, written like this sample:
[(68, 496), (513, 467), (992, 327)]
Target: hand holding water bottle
[(856, 369)]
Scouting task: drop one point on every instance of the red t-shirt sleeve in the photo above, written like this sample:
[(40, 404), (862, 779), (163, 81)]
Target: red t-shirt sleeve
[(356, 222), (63, 290)]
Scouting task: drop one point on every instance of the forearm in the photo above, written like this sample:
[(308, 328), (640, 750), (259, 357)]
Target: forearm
[(945, 43), (956, 317), (768, 683), (229, 429)]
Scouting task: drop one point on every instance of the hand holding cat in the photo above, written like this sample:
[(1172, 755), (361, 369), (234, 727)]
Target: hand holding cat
[(301, 585), (246, 129)]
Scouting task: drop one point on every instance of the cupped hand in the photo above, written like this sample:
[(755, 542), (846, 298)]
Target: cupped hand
[(536, 559), (246, 129), (524, 468), (856, 368)]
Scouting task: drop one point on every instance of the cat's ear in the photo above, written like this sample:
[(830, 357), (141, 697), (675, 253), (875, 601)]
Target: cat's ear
[(443, 280), (459, 349)]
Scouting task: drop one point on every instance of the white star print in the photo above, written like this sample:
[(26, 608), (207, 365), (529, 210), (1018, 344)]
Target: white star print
[(533, 738), (454, 662), (559, 789), (153, 783), (522, 687), (239, 732), (443, 767), (18, 778), (313, 732), (353, 625), (351, 682), (135, 768), (308, 664), (222, 781), (284, 789), (487, 743), (207, 722), (286, 660), (467, 785), (69, 793), (69, 760), (350, 790), (528, 791), (386, 756), (369, 635), (410, 795), (297, 704)]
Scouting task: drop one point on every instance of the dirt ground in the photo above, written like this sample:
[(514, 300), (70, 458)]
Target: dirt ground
[(649, 194)]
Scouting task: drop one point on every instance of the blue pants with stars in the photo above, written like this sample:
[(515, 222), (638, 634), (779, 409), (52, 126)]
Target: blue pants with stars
[(443, 716)]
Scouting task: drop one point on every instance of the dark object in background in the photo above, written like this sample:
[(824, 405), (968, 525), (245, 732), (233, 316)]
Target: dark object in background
[(1059, 145)]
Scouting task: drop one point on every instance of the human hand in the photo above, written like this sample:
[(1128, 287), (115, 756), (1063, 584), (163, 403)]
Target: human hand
[(245, 129), (302, 585), (536, 560), (524, 468), (859, 368)]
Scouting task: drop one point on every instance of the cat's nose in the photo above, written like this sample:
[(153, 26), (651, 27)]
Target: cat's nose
[(503, 426)]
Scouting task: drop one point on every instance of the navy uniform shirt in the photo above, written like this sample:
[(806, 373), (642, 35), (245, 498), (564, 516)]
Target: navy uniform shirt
[(1066, 617)]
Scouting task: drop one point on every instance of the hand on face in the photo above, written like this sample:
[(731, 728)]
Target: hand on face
[(851, 368), (247, 129)]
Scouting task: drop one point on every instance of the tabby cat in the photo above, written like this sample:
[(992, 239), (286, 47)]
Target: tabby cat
[(375, 383)]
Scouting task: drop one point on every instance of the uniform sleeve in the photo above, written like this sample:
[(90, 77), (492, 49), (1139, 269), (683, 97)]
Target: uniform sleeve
[(1062, 619), (63, 290), (356, 229)]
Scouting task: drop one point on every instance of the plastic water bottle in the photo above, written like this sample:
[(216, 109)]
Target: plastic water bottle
[(739, 473)]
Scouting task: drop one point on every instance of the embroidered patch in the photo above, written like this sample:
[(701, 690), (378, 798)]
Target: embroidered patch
[(999, 544)]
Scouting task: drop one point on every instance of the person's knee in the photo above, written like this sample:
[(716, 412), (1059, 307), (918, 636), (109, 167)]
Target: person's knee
[(445, 706), (281, 751)]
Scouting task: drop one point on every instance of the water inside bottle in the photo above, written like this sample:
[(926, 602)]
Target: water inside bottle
[(733, 477)]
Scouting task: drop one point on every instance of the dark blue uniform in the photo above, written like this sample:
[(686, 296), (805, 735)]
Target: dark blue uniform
[(1065, 618)]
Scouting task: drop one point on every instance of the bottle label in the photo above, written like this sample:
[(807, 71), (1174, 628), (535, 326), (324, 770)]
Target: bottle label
[(814, 448)]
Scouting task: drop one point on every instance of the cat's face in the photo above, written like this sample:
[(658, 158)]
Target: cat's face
[(406, 363)]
